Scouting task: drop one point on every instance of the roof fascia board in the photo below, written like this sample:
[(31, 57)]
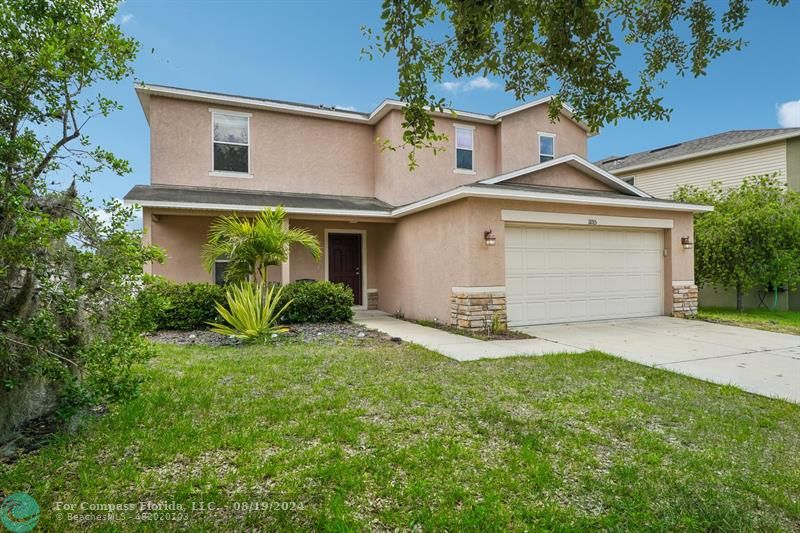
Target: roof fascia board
[(713, 151), (467, 191), (244, 207), (249, 102), (439, 199), (143, 91), (565, 109)]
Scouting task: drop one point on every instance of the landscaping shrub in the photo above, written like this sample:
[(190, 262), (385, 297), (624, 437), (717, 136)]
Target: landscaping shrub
[(253, 311), (186, 306), (317, 301)]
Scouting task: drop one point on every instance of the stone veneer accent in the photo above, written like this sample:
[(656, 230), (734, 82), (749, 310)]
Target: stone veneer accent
[(372, 299), (473, 308), (684, 299)]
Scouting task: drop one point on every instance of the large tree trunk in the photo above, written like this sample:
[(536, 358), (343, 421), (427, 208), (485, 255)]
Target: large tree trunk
[(739, 297)]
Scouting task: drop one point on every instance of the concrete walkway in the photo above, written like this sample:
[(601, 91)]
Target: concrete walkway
[(458, 347), (758, 361)]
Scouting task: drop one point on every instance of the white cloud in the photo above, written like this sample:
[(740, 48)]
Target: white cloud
[(126, 18), (476, 84), (452, 86), (104, 217), (482, 83), (789, 114)]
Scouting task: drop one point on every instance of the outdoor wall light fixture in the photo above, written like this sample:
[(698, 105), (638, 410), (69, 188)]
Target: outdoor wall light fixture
[(687, 242), (490, 238)]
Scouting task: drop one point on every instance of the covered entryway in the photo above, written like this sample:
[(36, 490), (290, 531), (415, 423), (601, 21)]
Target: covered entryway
[(578, 273)]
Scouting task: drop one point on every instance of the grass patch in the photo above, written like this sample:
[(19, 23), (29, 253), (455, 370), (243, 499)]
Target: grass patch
[(375, 435), (505, 335), (778, 321)]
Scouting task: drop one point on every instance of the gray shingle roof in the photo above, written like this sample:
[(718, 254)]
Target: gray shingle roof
[(234, 197), (694, 146)]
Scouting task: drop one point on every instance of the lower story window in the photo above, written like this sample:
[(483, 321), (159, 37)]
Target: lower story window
[(219, 272)]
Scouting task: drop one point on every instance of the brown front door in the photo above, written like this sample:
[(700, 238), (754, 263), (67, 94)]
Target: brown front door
[(344, 261)]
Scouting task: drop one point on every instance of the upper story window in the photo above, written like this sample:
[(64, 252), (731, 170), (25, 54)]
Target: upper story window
[(547, 147), (231, 139), (464, 148)]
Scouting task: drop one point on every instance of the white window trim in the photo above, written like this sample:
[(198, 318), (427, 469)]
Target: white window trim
[(471, 129), (363, 234), (214, 270), (539, 147), (228, 173)]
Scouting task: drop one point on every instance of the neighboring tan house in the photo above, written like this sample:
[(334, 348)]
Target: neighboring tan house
[(728, 158), (511, 218)]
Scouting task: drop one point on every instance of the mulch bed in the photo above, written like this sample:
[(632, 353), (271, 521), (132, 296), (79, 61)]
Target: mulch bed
[(507, 335), (330, 333)]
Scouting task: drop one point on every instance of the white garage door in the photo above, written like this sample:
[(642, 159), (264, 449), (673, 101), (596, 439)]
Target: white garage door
[(566, 274)]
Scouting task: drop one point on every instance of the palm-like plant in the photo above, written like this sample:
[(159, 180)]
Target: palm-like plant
[(252, 244), (252, 311)]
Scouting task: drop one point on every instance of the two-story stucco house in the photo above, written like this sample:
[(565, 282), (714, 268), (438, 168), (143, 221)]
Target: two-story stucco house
[(511, 218), (728, 158)]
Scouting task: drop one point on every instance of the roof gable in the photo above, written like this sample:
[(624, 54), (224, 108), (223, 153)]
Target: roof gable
[(571, 167)]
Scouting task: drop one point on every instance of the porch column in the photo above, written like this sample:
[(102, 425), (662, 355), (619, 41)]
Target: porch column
[(285, 273)]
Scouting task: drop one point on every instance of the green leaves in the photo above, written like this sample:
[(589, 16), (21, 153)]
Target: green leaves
[(751, 239), (568, 48), (252, 313), (68, 271), (252, 244)]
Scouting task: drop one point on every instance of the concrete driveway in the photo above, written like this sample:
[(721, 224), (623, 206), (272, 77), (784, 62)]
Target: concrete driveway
[(757, 361)]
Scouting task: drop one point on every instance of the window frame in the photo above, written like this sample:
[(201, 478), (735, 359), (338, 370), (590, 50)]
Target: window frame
[(630, 180), (539, 147), (214, 271), (471, 130), (230, 173)]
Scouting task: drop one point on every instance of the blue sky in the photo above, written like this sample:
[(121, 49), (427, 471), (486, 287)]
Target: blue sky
[(310, 52)]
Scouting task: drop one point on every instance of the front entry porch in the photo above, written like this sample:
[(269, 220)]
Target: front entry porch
[(352, 251)]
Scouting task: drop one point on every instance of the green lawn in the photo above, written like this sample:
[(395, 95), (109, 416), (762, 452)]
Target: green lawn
[(376, 435), (779, 321)]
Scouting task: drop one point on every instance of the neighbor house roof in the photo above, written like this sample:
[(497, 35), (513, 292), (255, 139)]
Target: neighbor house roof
[(144, 91), (721, 142)]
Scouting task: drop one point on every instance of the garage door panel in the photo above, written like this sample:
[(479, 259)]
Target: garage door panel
[(570, 274), (515, 237), (515, 261), (535, 287), (534, 261)]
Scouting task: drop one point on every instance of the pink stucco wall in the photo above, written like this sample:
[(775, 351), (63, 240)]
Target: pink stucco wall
[(288, 153), (561, 176), (518, 139), (293, 153), (416, 260), (448, 250), (397, 185), (181, 235)]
